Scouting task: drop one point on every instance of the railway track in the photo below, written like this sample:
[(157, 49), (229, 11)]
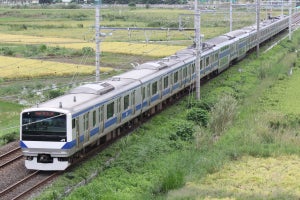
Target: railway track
[(10, 157), (22, 188)]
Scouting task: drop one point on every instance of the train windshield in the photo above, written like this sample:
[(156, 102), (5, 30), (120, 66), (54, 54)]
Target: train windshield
[(44, 126)]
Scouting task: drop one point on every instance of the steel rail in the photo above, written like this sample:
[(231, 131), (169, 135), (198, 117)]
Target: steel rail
[(40, 183), (9, 152), (11, 187), (12, 160)]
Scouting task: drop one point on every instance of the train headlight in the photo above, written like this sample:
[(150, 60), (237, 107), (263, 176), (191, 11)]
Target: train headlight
[(44, 158), (29, 158)]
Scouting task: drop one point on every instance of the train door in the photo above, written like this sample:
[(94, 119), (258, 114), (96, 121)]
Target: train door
[(101, 119), (86, 127), (148, 94), (133, 102), (78, 143), (160, 88), (184, 76), (171, 83), (189, 71), (119, 109)]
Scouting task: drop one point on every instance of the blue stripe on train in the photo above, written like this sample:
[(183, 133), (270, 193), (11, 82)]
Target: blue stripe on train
[(94, 131), (69, 145), (23, 145), (126, 113), (110, 122)]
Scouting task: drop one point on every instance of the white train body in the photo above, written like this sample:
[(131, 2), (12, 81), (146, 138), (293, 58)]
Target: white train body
[(54, 132)]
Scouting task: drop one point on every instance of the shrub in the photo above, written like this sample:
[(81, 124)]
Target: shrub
[(204, 104), (54, 93), (10, 137), (6, 51), (183, 130), (131, 4), (88, 51), (42, 48), (80, 25), (198, 115)]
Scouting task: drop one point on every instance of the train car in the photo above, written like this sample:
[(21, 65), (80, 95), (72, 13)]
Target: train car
[(54, 133)]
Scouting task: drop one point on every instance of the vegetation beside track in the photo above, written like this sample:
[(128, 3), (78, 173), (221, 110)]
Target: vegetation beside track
[(159, 162), (9, 121)]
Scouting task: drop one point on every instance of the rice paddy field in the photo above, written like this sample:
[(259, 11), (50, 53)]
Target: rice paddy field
[(13, 68)]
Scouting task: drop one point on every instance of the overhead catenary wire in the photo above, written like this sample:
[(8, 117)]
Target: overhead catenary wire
[(30, 123), (75, 74)]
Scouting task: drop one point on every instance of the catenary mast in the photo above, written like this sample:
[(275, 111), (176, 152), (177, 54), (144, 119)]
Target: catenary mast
[(97, 38), (198, 48)]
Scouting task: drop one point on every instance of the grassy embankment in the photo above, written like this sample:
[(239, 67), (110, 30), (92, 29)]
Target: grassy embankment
[(9, 121), (254, 155)]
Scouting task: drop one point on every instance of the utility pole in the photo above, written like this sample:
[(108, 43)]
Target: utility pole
[(97, 39), (290, 19), (230, 15), (257, 28), (281, 8), (198, 48)]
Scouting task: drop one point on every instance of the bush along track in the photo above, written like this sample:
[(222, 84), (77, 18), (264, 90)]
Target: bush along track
[(192, 143)]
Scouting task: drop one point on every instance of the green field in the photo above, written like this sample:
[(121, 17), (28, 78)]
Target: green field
[(9, 121)]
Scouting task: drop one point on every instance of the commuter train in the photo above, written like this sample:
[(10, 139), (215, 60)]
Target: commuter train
[(54, 133)]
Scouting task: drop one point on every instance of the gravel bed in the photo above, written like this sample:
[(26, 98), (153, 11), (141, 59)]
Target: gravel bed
[(8, 147)]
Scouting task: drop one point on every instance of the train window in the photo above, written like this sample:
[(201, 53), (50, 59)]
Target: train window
[(110, 110), (166, 82), (206, 61), (148, 90), (126, 101), (143, 92), (185, 72), (94, 117), (175, 77), (86, 121), (193, 68), (73, 123), (154, 88), (216, 56), (99, 111), (133, 98), (201, 64)]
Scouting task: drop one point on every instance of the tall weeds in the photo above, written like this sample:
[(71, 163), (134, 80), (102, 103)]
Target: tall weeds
[(222, 114)]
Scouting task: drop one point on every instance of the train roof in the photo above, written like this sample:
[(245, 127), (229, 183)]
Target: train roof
[(235, 33), (77, 98), (90, 94), (216, 41)]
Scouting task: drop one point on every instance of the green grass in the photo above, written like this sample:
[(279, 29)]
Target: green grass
[(9, 121)]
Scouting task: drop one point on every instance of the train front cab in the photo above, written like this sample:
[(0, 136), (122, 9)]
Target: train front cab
[(44, 139)]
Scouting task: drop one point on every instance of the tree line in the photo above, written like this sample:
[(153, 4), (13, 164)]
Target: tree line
[(144, 1), (129, 2)]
